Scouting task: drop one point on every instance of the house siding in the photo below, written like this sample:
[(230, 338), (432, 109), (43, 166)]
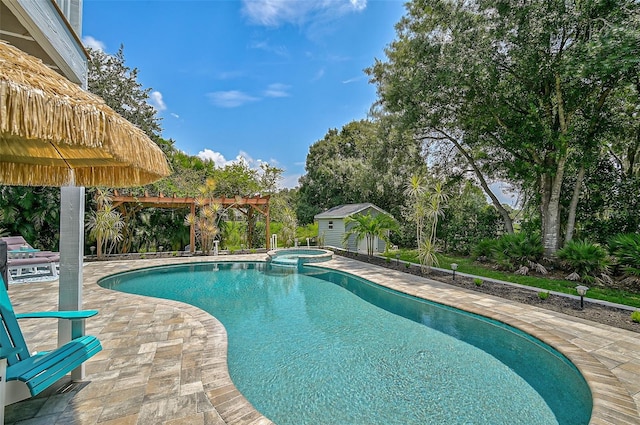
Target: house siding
[(44, 23), (334, 237)]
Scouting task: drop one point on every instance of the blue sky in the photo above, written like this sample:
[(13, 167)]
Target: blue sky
[(259, 79)]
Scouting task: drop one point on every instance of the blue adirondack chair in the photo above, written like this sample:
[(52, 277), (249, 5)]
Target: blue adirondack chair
[(29, 374)]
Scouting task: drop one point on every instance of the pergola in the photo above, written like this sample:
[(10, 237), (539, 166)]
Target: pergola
[(246, 205)]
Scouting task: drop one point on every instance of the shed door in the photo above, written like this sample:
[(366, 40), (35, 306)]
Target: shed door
[(362, 245)]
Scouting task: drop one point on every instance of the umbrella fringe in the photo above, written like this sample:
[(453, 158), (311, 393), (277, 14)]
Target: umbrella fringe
[(38, 105)]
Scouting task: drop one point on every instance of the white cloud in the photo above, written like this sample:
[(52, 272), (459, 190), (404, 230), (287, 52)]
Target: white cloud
[(230, 99), (277, 90), (175, 115), (273, 13), (352, 80), (319, 74), (221, 161), (266, 46), (92, 43), (216, 157), (155, 99), (290, 181), (287, 181)]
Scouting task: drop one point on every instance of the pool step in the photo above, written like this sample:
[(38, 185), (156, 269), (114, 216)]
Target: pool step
[(285, 262)]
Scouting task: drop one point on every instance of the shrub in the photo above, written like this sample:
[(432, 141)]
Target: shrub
[(543, 295), (484, 250), (477, 281), (511, 251), (584, 258), (626, 249), (519, 249), (635, 316)]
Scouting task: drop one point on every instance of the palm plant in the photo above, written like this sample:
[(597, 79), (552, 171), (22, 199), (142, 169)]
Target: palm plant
[(206, 221), (3, 232), (626, 249), (586, 259), (369, 227), (427, 255), (415, 190), (232, 234), (434, 210), (519, 251), (289, 225), (105, 224)]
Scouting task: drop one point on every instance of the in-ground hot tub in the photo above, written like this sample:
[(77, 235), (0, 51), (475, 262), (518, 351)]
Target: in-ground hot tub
[(294, 257)]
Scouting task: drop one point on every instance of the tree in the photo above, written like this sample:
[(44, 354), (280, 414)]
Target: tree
[(236, 178), (105, 224), (368, 226), (469, 218), (118, 86), (33, 213), (414, 191), (366, 161), (206, 220), (519, 89)]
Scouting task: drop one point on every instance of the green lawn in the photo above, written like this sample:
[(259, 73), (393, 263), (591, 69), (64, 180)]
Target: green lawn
[(465, 265)]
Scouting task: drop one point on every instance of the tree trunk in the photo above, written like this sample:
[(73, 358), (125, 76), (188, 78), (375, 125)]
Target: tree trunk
[(99, 247), (550, 209), (571, 220), (508, 222)]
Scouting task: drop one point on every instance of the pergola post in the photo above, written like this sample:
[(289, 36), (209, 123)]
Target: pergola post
[(192, 230), (268, 227)]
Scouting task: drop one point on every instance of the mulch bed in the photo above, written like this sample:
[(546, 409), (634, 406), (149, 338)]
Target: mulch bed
[(611, 316)]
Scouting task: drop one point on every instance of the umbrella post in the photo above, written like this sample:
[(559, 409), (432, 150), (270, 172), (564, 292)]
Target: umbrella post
[(71, 254), (4, 264)]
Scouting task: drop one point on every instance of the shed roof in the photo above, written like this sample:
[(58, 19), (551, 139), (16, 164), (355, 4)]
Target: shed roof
[(343, 211)]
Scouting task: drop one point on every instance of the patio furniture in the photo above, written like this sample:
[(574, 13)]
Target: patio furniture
[(25, 261), (29, 374)]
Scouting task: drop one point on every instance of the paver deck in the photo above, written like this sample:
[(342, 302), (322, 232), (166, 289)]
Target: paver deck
[(164, 362)]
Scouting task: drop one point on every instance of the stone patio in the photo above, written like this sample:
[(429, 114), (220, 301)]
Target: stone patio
[(164, 362)]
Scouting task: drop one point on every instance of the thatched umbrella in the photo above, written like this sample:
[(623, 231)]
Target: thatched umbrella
[(54, 133)]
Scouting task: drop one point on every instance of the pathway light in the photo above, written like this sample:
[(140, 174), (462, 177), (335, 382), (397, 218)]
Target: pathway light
[(582, 290), (454, 267)]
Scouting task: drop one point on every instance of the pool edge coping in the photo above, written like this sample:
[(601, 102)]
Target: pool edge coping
[(612, 401)]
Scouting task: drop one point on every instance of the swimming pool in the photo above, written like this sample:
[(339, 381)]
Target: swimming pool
[(304, 349), (294, 257)]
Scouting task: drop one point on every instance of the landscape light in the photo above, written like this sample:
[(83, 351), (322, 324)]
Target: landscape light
[(582, 290), (454, 267)]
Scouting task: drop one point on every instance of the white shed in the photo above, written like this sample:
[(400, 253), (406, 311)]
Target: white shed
[(331, 226)]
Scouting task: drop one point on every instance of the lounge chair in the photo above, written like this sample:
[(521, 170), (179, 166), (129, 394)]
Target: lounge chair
[(25, 261), (29, 374)]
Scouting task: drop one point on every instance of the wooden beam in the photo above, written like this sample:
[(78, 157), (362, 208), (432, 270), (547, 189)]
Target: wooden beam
[(250, 204)]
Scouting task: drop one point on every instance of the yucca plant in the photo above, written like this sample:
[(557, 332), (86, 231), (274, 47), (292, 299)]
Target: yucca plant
[(626, 249), (427, 255), (587, 260)]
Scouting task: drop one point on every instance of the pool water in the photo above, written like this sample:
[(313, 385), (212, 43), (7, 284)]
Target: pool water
[(315, 347), (294, 257)]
